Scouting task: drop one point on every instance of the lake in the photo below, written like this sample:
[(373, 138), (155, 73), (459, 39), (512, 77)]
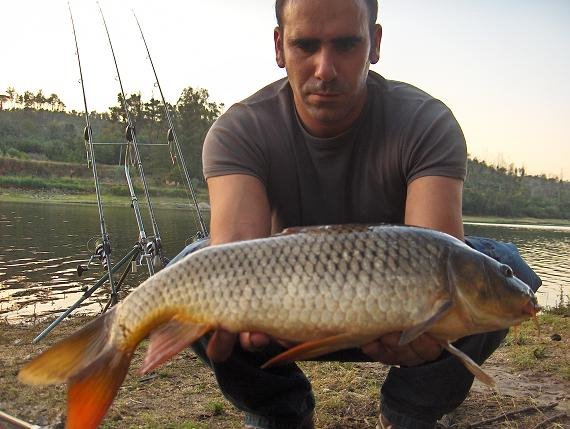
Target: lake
[(41, 245)]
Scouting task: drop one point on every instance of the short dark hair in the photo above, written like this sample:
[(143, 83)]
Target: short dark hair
[(371, 5)]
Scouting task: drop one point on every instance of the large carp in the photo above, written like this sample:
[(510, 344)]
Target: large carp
[(327, 288)]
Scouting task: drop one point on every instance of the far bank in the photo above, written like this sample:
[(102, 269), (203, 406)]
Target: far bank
[(55, 197)]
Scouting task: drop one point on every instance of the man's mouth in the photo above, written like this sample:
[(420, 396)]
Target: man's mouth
[(324, 96)]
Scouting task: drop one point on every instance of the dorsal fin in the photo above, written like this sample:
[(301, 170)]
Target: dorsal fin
[(326, 229)]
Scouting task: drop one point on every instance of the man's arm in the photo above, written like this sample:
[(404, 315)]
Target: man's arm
[(240, 208), (239, 211), (432, 202), (435, 202)]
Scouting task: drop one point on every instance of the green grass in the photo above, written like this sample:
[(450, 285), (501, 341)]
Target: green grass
[(215, 407), (527, 348), (562, 306), (29, 189), (82, 186), (63, 184)]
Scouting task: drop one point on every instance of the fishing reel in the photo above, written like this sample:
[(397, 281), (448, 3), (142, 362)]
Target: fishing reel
[(102, 251), (152, 252)]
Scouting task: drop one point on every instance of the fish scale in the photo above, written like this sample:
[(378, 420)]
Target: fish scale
[(327, 288), (220, 281)]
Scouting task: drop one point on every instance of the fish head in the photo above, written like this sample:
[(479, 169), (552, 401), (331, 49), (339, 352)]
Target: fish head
[(492, 295)]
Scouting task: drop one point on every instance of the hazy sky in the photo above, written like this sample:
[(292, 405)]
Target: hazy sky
[(503, 66)]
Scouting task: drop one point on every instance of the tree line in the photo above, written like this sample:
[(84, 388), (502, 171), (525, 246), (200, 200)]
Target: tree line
[(496, 190), (38, 130), (29, 100), (32, 131)]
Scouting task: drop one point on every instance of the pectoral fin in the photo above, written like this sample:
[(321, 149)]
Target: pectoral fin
[(314, 348), (470, 364), (414, 332), (168, 339)]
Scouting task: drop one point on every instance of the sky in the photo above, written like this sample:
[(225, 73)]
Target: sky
[(502, 66)]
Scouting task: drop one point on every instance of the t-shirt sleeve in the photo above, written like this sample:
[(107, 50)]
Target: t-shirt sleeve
[(234, 145), (434, 144)]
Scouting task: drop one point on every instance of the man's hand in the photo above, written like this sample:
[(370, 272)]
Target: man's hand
[(387, 350), (222, 343)]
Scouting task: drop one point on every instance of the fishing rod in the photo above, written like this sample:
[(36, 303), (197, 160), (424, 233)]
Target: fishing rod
[(103, 251), (172, 138), (153, 247)]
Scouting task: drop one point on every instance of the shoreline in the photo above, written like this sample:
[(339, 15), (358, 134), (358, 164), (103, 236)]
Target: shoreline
[(182, 393), (47, 197)]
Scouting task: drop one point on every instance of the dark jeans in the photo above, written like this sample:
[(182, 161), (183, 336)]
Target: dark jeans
[(412, 397)]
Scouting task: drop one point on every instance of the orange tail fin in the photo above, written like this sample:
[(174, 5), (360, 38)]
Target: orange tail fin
[(93, 366), (69, 356), (92, 391)]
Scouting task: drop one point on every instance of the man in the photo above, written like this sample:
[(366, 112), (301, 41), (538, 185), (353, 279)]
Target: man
[(334, 143)]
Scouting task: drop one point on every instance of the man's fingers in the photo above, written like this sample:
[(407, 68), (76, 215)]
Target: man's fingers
[(221, 345), (253, 341), (426, 347), (387, 350), (382, 352)]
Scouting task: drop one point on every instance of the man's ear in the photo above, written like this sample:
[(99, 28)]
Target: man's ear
[(278, 40), (375, 44)]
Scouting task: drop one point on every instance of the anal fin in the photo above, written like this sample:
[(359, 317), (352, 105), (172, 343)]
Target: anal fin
[(470, 364), (314, 348), (168, 339)]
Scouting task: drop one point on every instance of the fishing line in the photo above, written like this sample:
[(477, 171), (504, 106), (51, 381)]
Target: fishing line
[(104, 250), (152, 248), (173, 139)]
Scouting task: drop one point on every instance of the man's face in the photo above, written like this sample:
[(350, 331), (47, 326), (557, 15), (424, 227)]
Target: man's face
[(326, 47)]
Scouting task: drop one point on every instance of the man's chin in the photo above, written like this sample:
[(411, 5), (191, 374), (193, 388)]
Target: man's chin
[(327, 115)]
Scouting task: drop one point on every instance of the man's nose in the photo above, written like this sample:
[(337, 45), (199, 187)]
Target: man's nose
[(325, 69)]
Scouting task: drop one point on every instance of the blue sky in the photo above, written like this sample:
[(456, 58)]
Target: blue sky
[(503, 66)]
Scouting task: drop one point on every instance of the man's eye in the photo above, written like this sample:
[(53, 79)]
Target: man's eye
[(307, 46), (345, 45)]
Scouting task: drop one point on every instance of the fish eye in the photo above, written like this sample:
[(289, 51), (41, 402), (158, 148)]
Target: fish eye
[(506, 271)]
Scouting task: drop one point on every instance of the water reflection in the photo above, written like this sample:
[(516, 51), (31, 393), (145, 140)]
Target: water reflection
[(41, 246), (545, 248)]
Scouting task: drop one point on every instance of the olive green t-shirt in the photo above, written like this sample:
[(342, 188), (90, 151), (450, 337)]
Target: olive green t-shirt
[(360, 176)]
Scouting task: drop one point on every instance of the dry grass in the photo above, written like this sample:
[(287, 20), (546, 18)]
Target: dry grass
[(183, 393)]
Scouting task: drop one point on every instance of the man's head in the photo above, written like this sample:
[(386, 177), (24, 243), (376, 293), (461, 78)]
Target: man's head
[(327, 47), (371, 5)]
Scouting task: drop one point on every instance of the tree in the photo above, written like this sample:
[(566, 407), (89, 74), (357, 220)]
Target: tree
[(55, 103), (3, 99), (11, 92), (152, 113), (196, 114), (40, 100), (28, 99)]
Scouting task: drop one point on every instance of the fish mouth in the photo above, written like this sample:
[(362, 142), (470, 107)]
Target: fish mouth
[(531, 307)]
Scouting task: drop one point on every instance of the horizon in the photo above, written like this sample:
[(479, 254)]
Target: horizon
[(501, 68)]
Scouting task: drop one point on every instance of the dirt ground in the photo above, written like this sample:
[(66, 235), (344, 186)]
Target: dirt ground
[(183, 393)]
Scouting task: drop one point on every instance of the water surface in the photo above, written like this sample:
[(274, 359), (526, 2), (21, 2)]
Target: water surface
[(41, 246)]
